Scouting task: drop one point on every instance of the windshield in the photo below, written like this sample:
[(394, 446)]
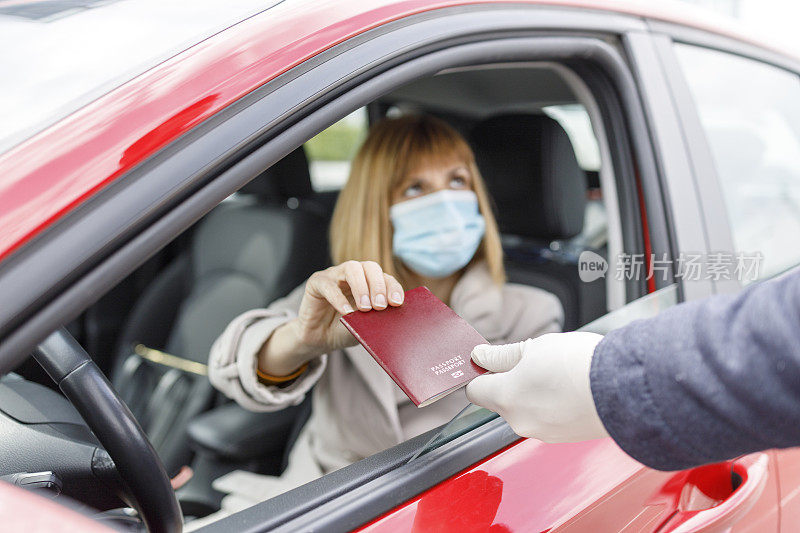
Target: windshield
[(59, 56)]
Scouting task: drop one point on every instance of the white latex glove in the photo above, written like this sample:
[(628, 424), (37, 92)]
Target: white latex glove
[(541, 386)]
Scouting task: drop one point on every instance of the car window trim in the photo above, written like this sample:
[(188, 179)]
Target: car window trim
[(309, 507), (683, 210), (621, 133), (615, 288), (714, 211)]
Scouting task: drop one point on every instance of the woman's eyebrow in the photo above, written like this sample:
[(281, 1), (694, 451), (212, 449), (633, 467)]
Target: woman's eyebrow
[(408, 181)]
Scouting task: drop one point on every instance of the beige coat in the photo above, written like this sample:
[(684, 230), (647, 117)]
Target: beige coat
[(357, 408)]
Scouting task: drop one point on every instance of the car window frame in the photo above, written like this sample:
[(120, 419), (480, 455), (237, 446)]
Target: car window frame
[(361, 503), (204, 185)]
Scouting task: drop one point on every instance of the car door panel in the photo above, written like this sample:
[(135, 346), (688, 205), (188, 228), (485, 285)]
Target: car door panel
[(788, 462), (699, 499), (591, 486), (532, 486)]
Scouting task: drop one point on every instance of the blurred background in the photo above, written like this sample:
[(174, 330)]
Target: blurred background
[(775, 20)]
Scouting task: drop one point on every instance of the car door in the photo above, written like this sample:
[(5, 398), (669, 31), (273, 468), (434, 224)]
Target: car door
[(739, 114)]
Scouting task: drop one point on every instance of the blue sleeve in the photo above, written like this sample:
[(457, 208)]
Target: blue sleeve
[(705, 381)]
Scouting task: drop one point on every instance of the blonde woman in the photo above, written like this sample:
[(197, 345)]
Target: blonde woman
[(414, 212)]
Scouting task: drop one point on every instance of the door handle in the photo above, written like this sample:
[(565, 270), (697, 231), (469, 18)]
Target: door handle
[(713, 498)]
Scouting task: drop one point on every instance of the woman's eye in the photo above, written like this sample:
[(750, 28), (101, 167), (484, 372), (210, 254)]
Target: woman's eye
[(413, 190), (458, 182)]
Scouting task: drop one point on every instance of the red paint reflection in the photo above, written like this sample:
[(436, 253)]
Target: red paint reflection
[(166, 131), (465, 504)]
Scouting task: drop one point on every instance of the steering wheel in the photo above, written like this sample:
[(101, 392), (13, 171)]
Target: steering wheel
[(66, 362)]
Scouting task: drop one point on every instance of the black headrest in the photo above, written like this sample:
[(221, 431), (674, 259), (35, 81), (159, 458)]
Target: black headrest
[(531, 171), (287, 178)]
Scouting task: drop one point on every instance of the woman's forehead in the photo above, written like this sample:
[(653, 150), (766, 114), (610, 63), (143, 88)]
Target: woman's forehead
[(434, 163)]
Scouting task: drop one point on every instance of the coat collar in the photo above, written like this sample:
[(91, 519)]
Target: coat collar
[(479, 301), (379, 383)]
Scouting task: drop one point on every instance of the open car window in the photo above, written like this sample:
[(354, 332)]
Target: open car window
[(329, 154), (331, 151)]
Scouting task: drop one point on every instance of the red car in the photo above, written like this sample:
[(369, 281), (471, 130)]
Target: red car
[(131, 153)]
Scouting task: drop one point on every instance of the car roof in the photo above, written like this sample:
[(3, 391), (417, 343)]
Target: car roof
[(58, 167), (61, 55)]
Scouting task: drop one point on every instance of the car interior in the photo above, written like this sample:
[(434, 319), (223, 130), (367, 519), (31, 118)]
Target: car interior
[(535, 137)]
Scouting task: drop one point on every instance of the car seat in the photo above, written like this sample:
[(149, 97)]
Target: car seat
[(539, 189), (253, 248)]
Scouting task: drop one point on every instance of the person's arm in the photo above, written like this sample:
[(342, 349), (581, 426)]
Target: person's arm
[(705, 381), (268, 359), (283, 354), (702, 382), (233, 359), (316, 329)]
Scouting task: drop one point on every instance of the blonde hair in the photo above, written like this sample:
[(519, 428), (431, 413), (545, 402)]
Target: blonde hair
[(361, 229)]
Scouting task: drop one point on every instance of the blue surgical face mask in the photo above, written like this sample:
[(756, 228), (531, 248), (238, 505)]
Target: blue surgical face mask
[(437, 234)]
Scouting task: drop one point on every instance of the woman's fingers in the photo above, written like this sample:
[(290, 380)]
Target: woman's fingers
[(394, 290), (357, 280), (377, 284), (370, 287), (328, 288)]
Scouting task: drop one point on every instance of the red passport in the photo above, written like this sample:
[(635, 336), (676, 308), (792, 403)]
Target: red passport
[(423, 345)]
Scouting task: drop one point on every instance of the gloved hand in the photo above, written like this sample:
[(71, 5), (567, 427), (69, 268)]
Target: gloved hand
[(540, 386)]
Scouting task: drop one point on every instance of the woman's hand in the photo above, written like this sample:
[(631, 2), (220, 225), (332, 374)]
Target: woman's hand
[(339, 290), (329, 293)]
